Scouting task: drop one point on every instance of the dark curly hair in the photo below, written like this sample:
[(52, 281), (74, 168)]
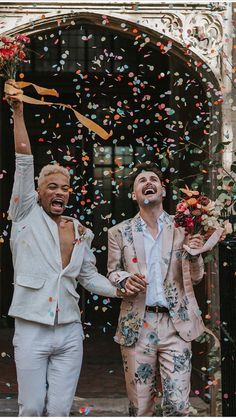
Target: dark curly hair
[(144, 167)]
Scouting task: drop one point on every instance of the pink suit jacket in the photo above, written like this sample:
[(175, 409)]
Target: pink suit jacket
[(126, 255)]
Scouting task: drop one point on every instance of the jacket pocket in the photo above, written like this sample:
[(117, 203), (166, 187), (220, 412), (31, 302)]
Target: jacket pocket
[(30, 281), (70, 288)]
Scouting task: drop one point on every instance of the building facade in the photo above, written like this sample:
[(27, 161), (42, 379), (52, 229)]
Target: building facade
[(197, 38)]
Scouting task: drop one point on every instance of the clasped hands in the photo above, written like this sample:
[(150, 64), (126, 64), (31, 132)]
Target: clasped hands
[(137, 283), (134, 284)]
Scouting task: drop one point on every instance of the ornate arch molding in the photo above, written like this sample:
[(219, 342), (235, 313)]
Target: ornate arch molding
[(196, 32), (195, 36), (197, 27)]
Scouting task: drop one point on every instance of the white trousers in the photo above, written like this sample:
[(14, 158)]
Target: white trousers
[(48, 363)]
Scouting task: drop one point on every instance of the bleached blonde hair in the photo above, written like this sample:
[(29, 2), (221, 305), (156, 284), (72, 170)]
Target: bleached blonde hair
[(50, 169)]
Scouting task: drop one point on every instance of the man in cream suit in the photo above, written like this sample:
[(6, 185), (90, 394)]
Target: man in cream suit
[(161, 317), (51, 254)]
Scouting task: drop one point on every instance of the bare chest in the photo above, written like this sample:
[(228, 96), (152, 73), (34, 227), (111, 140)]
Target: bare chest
[(67, 239)]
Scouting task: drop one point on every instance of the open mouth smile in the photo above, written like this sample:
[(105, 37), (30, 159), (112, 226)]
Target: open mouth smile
[(58, 204), (149, 191)]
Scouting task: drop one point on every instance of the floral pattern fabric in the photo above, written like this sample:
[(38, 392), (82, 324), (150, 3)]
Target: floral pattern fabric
[(129, 326), (158, 345), (149, 338)]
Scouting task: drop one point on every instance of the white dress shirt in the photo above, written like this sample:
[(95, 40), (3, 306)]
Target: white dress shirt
[(153, 250)]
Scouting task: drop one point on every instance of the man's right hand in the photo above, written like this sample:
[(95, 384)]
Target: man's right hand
[(134, 284), (14, 99)]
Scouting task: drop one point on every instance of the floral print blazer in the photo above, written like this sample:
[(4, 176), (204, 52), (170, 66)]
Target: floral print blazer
[(126, 255)]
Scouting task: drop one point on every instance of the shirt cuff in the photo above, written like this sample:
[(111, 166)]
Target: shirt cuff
[(24, 157), (193, 258), (121, 285)]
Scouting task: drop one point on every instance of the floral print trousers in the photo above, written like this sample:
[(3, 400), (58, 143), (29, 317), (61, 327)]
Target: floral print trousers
[(158, 344)]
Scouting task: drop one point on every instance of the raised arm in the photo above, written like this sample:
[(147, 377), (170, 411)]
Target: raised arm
[(196, 262), (24, 196), (21, 138)]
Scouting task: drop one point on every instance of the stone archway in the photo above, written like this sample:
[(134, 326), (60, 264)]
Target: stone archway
[(170, 32), (195, 33)]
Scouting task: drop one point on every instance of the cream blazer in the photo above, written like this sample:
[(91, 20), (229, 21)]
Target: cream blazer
[(41, 286)]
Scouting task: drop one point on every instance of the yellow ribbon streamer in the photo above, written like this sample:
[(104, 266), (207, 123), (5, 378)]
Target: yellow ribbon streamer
[(10, 90)]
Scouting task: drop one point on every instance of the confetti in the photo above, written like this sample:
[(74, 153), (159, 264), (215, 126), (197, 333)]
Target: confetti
[(156, 111)]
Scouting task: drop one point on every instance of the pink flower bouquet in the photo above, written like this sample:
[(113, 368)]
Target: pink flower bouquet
[(196, 213)]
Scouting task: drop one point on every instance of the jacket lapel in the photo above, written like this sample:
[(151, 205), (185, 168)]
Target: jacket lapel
[(138, 243), (52, 226), (167, 243), (47, 237), (78, 250)]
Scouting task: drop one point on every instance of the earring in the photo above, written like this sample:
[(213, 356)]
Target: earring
[(39, 200)]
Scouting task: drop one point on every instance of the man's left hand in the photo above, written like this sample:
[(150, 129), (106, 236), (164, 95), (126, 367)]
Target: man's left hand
[(195, 242)]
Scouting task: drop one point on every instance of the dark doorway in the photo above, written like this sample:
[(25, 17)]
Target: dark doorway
[(149, 98)]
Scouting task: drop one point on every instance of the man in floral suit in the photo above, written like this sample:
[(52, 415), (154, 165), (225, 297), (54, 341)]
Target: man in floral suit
[(160, 316)]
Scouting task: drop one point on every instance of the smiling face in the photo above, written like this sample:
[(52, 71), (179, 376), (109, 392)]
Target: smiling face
[(148, 189), (54, 194)]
